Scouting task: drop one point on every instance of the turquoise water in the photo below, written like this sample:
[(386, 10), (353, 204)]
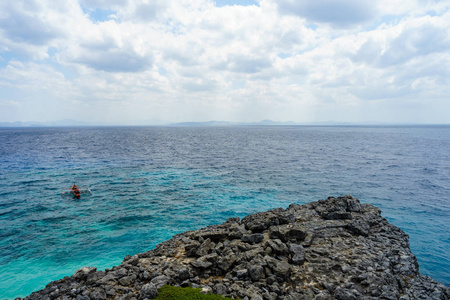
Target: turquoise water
[(149, 183)]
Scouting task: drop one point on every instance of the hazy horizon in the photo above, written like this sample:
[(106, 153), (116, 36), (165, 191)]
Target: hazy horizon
[(75, 123)]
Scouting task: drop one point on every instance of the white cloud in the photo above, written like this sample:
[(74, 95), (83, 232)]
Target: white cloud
[(247, 64), (143, 11), (24, 27), (189, 59), (30, 28), (418, 37), (107, 47), (33, 77)]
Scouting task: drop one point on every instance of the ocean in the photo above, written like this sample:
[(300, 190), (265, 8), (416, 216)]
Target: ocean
[(149, 183)]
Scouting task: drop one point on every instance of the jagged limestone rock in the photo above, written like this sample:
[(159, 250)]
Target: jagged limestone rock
[(336, 248)]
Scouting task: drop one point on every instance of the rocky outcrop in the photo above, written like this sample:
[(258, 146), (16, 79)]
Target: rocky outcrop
[(330, 249)]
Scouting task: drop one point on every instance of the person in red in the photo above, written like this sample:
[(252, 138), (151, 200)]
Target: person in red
[(76, 191)]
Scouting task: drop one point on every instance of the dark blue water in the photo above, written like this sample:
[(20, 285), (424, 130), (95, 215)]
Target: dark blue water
[(150, 183)]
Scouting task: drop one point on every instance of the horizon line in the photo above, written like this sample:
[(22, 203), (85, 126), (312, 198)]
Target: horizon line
[(212, 123)]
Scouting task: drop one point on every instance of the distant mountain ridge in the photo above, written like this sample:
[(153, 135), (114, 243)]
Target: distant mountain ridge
[(260, 123), (70, 123), (67, 122), (156, 122)]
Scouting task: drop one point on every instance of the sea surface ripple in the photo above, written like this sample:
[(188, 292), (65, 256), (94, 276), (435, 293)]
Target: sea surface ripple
[(149, 183)]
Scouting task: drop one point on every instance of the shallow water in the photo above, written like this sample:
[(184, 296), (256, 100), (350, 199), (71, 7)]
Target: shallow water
[(149, 183)]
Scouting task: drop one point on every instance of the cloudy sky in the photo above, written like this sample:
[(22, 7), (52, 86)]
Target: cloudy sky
[(126, 61)]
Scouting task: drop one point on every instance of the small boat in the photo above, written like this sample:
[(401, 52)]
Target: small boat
[(75, 192)]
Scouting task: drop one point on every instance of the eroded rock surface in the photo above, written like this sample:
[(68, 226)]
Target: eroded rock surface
[(336, 248)]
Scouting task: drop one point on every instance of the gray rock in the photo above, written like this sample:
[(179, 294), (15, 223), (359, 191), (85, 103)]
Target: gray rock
[(109, 290), (214, 235), (205, 248), (226, 260), (94, 277), (145, 276), (337, 215), (183, 274), (220, 289), (127, 280), (256, 272), (107, 278), (297, 254), (277, 246), (191, 249), (259, 222), (83, 273), (237, 231), (281, 269), (338, 208), (149, 291), (252, 238), (287, 233), (159, 281), (121, 272), (98, 294), (242, 273), (353, 204), (131, 260), (201, 264), (359, 227)]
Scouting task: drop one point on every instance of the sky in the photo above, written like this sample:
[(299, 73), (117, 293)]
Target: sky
[(142, 61)]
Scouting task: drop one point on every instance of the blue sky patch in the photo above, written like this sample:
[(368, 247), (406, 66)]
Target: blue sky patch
[(221, 3), (284, 55), (100, 15), (5, 58)]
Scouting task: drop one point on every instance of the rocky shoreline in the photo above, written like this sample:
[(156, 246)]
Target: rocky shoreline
[(336, 248)]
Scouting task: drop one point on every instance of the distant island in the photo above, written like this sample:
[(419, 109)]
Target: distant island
[(154, 122), (336, 248), (225, 123)]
